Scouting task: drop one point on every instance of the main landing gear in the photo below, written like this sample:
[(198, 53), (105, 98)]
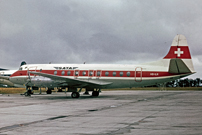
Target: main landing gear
[(95, 93), (75, 95), (49, 91)]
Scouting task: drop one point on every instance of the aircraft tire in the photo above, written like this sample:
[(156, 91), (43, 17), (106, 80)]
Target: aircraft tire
[(49, 92), (28, 93), (59, 90), (75, 95), (95, 93)]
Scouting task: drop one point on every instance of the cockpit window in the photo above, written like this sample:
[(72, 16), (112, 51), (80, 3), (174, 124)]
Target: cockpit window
[(20, 68)]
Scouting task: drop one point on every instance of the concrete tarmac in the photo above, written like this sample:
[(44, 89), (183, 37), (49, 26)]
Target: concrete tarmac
[(112, 113)]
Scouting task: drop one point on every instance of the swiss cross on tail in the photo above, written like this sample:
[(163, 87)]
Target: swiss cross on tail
[(179, 52), (179, 49)]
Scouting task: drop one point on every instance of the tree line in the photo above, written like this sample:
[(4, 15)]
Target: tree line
[(185, 83)]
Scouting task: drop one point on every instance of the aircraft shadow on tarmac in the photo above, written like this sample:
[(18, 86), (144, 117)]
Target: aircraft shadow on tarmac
[(63, 96), (67, 97)]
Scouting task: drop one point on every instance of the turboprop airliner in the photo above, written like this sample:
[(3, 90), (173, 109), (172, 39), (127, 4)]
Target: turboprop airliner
[(94, 77), (4, 76)]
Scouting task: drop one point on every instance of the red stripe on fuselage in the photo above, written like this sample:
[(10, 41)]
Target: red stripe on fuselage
[(102, 73)]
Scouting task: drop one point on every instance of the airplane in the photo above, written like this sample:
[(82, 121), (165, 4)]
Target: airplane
[(94, 77), (5, 74)]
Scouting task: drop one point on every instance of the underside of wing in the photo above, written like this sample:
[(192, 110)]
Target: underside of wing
[(75, 82)]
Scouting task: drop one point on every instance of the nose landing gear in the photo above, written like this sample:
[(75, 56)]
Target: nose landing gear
[(29, 91)]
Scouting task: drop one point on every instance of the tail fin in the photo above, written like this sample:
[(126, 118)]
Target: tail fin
[(180, 57)]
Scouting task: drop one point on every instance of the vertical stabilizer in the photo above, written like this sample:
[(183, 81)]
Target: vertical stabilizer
[(180, 50)]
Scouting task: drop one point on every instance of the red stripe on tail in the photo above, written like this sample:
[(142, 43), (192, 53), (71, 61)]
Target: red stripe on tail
[(181, 52)]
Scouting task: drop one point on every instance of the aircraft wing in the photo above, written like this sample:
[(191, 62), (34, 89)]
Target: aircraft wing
[(74, 82)]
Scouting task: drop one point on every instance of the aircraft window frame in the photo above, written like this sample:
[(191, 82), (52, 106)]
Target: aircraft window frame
[(106, 73), (84, 73), (114, 73), (98, 73), (63, 73), (69, 73), (128, 73), (76, 73), (121, 73), (91, 73), (55, 72)]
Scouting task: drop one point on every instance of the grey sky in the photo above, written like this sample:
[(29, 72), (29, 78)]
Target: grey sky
[(96, 31)]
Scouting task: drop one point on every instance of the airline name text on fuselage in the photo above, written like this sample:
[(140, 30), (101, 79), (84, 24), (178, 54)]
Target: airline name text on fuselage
[(65, 68)]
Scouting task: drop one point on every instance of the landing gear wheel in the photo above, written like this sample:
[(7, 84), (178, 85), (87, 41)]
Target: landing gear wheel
[(28, 93), (75, 95), (49, 92), (32, 92), (95, 93), (59, 90)]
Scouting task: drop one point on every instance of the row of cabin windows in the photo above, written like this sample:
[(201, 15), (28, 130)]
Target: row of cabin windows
[(91, 73)]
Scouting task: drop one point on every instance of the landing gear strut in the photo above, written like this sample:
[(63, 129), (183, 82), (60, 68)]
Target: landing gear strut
[(86, 93)]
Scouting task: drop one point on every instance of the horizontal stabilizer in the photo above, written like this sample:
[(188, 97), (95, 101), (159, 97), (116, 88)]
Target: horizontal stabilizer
[(177, 66), (2, 69)]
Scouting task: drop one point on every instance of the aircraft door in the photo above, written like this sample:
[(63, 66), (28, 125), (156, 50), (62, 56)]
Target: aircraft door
[(138, 74)]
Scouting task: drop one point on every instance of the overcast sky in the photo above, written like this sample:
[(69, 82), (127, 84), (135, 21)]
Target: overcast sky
[(97, 31)]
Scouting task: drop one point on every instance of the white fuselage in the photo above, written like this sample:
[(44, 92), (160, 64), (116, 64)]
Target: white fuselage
[(113, 75)]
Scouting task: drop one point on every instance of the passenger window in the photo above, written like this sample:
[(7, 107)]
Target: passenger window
[(55, 72), (69, 73), (128, 74), (84, 73), (98, 73), (63, 72), (106, 73), (121, 74), (114, 73), (91, 73), (76, 73)]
